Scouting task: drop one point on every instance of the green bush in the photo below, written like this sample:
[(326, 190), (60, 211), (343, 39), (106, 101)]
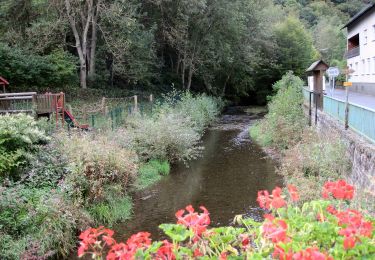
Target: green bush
[(26, 70), (174, 130), (94, 163), (20, 137), (282, 127), (37, 222)]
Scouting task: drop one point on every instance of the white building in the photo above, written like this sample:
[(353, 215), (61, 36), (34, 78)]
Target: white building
[(361, 50)]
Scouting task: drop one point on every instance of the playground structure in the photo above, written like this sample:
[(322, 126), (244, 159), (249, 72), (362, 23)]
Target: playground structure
[(40, 105), (107, 113)]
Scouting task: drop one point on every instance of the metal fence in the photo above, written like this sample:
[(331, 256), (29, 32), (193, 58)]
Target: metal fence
[(361, 119)]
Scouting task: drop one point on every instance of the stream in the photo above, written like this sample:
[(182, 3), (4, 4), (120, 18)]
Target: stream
[(225, 180)]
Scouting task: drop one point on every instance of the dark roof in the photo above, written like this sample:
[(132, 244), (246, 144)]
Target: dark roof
[(364, 11), (3, 81), (315, 64)]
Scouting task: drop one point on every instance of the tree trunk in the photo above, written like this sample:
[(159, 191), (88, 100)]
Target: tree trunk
[(190, 76), (81, 42), (93, 42)]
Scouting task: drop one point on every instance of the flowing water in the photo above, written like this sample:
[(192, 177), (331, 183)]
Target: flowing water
[(225, 180)]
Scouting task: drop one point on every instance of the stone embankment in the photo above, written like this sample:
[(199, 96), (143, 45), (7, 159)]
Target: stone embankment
[(361, 151)]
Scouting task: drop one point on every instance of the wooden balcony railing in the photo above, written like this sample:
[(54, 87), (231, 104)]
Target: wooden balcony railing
[(353, 52)]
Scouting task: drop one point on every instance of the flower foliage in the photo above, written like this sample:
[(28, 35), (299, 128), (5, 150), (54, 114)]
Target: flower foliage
[(319, 230)]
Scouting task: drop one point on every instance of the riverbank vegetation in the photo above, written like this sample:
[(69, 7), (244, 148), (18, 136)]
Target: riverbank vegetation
[(236, 49), (56, 183), (307, 159), (321, 229)]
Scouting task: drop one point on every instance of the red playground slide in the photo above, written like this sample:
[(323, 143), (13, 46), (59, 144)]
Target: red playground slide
[(72, 122)]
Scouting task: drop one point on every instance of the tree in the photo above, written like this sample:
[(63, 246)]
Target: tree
[(295, 47), (83, 15)]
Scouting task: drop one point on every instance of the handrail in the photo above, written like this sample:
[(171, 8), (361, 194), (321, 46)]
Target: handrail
[(17, 94)]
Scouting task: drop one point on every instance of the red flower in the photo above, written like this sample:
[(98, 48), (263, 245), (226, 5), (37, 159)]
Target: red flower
[(293, 193), (331, 209), (349, 242), (310, 254), (165, 252), (275, 230), (90, 237), (274, 201), (339, 190), (196, 222), (245, 240), (280, 253), (197, 253), (223, 256), (264, 199)]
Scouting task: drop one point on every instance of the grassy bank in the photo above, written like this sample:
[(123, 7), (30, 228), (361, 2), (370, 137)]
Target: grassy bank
[(308, 159), (54, 185)]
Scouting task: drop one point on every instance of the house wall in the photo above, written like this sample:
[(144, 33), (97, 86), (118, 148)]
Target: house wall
[(364, 65)]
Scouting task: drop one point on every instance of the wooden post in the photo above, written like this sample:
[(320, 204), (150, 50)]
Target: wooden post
[(317, 96), (34, 106), (310, 108), (151, 98), (136, 103)]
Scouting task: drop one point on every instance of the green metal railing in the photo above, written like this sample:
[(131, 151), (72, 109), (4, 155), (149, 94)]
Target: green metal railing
[(361, 119)]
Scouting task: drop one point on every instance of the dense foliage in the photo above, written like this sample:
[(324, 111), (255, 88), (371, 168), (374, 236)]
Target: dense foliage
[(282, 127), (52, 186), (233, 48), (320, 229)]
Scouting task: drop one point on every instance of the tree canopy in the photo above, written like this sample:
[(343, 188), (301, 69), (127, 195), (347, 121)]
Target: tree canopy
[(236, 49)]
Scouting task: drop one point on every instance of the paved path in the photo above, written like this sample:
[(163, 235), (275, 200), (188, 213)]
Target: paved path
[(355, 98)]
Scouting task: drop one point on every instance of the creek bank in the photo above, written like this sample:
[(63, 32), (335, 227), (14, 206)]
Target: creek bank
[(225, 179)]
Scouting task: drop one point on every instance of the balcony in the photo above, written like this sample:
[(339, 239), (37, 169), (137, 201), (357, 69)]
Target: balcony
[(354, 52)]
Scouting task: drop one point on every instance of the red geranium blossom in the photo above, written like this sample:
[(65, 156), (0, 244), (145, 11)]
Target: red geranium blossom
[(268, 201), (165, 252), (89, 238), (293, 193), (311, 254), (197, 222), (275, 230), (280, 253), (339, 190)]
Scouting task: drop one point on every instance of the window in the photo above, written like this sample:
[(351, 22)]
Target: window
[(365, 36), (356, 69), (363, 69), (368, 66)]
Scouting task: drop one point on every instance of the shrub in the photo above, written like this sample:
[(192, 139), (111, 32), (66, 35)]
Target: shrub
[(37, 222), (282, 127), (321, 229), (174, 130), (95, 162), (165, 136), (20, 137)]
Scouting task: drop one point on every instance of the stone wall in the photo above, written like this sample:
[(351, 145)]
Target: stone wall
[(360, 151)]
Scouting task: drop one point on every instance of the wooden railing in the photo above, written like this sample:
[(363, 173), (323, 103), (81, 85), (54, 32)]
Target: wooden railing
[(353, 53), (17, 102)]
